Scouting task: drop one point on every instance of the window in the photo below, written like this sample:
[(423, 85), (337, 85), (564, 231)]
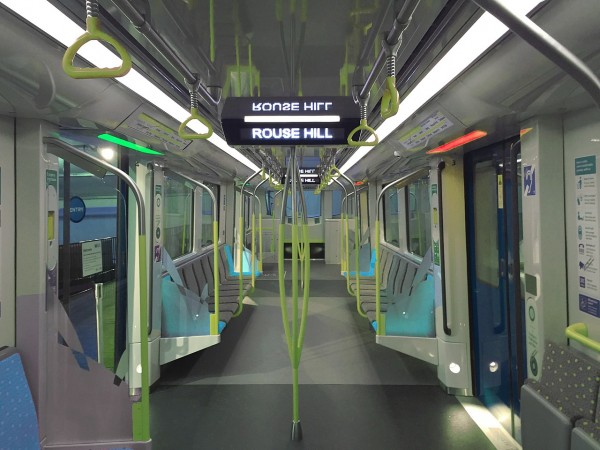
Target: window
[(418, 217), (179, 213), (313, 204), (391, 230), (337, 204), (407, 217), (206, 230)]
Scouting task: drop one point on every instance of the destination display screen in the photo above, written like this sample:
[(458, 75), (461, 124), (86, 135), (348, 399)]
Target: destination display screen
[(307, 176), (289, 120)]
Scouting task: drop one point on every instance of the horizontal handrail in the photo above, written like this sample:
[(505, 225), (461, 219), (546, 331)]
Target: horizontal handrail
[(579, 332)]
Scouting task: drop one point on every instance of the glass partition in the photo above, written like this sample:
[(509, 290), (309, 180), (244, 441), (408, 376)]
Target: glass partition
[(178, 215)]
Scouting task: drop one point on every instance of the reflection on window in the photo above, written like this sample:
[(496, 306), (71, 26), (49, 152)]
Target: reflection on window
[(418, 217), (337, 204), (313, 204), (269, 202), (206, 228), (391, 231), (179, 213)]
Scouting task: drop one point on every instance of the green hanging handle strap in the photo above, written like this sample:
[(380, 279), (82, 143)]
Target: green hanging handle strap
[(390, 102), (363, 127), (195, 115), (94, 33), (359, 129)]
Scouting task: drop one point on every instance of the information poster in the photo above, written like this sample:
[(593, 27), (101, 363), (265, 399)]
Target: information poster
[(586, 210), (91, 255)]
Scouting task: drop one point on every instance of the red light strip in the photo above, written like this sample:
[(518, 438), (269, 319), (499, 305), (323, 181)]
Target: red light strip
[(470, 137)]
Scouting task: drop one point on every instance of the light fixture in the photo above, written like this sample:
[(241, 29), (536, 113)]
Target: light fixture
[(56, 24), (107, 153), (458, 142), (454, 368), (131, 145), (291, 119), (477, 40)]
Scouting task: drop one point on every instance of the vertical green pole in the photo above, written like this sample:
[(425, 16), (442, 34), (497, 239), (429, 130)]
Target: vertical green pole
[(141, 409), (240, 258), (295, 334), (253, 263), (260, 242), (216, 268), (357, 259), (282, 296), (377, 279)]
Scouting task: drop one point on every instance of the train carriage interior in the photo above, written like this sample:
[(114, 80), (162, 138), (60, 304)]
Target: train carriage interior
[(291, 224)]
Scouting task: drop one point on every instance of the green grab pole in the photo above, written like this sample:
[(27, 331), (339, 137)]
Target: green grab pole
[(216, 268), (348, 255), (357, 260), (253, 263), (272, 248), (306, 293), (295, 334), (141, 409), (260, 243), (240, 256), (282, 296), (377, 280)]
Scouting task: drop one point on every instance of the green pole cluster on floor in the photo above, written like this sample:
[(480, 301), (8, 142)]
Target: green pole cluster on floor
[(300, 253)]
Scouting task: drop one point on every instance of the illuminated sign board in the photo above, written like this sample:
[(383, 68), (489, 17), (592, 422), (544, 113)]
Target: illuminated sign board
[(289, 120), (308, 177)]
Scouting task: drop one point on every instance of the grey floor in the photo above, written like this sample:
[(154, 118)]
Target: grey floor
[(354, 394)]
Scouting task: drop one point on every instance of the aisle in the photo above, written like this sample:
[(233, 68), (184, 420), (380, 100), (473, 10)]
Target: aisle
[(353, 394)]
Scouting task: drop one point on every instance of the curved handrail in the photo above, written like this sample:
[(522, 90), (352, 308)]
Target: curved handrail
[(195, 115), (579, 332), (390, 101), (357, 227), (359, 129), (141, 410), (241, 245), (95, 33), (400, 182)]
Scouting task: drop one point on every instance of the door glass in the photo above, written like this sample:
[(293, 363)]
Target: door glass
[(88, 259), (494, 211)]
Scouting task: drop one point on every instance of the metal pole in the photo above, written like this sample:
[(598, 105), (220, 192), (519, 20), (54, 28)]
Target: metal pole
[(139, 21), (546, 45)]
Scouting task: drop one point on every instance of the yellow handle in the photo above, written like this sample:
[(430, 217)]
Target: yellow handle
[(390, 102), (363, 127), (195, 115), (94, 33)]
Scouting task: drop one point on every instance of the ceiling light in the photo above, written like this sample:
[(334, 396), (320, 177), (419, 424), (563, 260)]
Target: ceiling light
[(53, 22), (470, 137), (291, 119), (477, 40), (107, 153), (131, 145)]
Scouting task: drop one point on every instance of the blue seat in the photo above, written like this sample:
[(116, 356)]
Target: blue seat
[(19, 428)]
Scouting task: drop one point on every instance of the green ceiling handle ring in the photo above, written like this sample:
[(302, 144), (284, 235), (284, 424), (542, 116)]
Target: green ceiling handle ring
[(195, 115), (94, 33), (363, 127), (390, 101)]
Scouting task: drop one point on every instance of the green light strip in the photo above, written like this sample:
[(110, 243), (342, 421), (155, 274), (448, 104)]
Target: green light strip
[(131, 145)]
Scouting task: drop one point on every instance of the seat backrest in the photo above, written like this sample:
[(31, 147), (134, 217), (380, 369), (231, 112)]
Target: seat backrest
[(17, 411), (208, 274), (401, 274), (189, 278)]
